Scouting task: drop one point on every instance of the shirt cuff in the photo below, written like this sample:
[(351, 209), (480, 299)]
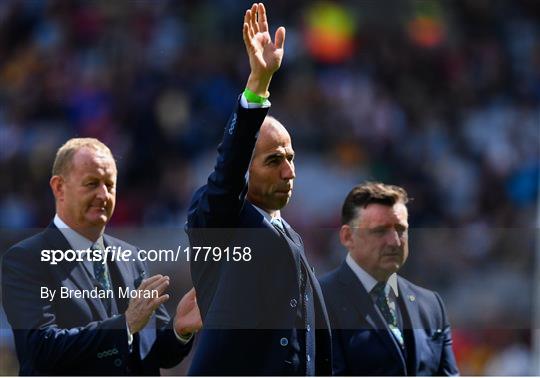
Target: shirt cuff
[(252, 105), (183, 339), (129, 334)]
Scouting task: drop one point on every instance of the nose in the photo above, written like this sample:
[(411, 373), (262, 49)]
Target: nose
[(102, 191), (287, 171), (393, 239)]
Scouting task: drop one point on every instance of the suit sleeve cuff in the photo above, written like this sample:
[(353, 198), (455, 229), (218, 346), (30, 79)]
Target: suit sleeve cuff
[(253, 105), (183, 339), (129, 334)]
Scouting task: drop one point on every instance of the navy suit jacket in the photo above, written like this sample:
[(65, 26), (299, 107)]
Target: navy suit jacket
[(74, 336), (363, 343), (249, 307)]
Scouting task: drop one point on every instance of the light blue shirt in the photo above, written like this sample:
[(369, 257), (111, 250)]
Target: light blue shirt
[(269, 218)]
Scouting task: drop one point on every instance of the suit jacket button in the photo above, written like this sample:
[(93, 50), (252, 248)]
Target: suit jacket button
[(293, 303), (118, 362), (284, 341)]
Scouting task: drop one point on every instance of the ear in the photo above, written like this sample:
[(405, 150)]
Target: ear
[(345, 236), (57, 185)]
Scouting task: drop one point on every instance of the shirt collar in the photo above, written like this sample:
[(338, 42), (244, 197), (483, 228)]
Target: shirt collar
[(75, 240), (267, 215), (368, 281)]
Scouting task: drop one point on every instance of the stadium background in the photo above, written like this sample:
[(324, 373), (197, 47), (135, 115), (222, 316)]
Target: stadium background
[(441, 97)]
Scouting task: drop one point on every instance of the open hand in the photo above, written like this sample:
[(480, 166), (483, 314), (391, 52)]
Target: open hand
[(264, 55)]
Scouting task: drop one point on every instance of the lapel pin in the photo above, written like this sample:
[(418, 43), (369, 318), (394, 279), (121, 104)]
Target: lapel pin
[(412, 298)]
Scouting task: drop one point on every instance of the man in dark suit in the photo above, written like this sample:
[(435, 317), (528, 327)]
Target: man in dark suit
[(383, 324), (263, 312), (60, 323)]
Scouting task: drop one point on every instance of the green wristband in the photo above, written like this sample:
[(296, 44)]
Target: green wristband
[(254, 98)]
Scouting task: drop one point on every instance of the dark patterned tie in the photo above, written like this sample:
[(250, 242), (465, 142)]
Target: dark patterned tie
[(100, 268), (390, 316)]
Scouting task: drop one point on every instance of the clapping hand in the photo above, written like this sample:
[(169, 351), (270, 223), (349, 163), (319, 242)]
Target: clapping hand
[(188, 318)]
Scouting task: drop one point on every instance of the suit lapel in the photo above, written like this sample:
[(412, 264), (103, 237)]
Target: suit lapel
[(294, 241), (359, 297), (263, 222), (293, 245), (74, 270), (411, 313), (317, 289), (292, 236), (314, 283)]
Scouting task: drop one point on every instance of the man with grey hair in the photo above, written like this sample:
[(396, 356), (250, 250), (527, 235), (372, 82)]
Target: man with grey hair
[(69, 318), (382, 324)]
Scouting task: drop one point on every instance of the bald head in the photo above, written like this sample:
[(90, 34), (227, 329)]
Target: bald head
[(271, 172), (272, 131)]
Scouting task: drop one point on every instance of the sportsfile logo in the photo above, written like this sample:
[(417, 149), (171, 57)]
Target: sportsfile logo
[(110, 253)]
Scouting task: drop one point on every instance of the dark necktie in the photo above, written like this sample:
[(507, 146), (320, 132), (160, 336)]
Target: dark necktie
[(101, 272), (390, 316)]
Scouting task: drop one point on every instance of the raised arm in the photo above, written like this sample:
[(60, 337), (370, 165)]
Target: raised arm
[(217, 203)]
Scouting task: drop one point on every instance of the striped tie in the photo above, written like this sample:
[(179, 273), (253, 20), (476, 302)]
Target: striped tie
[(389, 314)]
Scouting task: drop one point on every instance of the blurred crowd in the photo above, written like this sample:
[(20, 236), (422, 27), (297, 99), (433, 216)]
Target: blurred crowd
[(442, 98)]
